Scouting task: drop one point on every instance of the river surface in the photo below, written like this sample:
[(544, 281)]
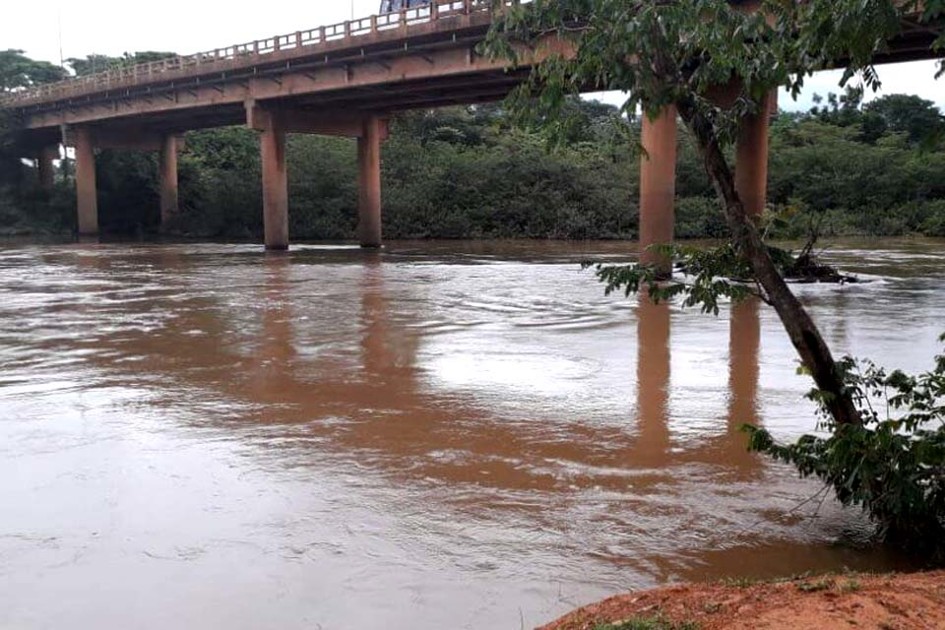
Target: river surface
[(441, 435)]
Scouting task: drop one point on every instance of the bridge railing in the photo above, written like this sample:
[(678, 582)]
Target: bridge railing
[(251, 52)]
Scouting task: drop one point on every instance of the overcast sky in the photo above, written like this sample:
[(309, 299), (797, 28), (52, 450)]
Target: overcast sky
[(187, 26)]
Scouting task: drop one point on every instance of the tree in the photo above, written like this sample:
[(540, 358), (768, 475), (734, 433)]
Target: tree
[(843, 111), (95, 63), (916, 117), (678, 54), (18, 71), (90, 64)]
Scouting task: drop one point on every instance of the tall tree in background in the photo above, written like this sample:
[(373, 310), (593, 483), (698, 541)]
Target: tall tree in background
[(912, 115), (17, 71), (95, 63)]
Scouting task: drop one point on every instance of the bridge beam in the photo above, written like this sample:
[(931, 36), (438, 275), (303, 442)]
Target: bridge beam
[(296, 120), (658, 187), (124, 138), (86, 191), (167, 175), (369, 182), (47, 171)]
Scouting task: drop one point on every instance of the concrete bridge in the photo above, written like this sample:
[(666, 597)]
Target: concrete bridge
[(345, 80)]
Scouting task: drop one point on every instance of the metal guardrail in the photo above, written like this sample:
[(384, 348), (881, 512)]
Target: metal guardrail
[(252, 52)]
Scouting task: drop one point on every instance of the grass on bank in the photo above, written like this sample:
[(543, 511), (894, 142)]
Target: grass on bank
[(648, 623)]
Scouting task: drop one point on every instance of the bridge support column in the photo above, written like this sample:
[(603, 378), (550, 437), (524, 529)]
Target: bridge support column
[(658, 187), (168, 179), (369, 182), (47, 172), (275, 186), (751, 158), (86, 191)]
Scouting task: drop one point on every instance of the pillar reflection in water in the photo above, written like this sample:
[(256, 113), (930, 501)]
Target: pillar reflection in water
[(653, 381), (395, 417), (728, 447), (744, 347), (388, 346), (377, 353), (272, 380)]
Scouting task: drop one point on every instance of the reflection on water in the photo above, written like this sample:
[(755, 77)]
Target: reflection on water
[(743, 374), (438, 435), (653, 374)]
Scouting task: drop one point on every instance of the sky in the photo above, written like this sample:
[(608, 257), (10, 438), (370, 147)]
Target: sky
[(112, 28)]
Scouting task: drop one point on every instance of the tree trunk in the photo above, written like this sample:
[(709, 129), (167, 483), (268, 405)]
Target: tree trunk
[(804, 334)]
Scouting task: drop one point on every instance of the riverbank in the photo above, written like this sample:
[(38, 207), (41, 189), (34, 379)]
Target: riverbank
[(892, 601)]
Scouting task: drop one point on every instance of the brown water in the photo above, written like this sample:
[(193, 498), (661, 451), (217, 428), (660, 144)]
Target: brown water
[(444, 435)]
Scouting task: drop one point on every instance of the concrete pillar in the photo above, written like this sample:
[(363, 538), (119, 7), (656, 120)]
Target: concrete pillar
[(167, 175), (86, 192), (275, 186), (751, 158), (658, 187), (47, 172), (369, 183)]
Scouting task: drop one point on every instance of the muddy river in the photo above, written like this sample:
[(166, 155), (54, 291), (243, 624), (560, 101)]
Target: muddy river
[(441, 435)]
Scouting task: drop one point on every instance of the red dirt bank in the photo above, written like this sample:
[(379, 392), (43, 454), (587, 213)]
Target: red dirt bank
[(882, 602)]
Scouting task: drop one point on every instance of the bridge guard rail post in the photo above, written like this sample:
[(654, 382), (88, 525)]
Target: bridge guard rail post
[(658, 187), (86, 191), (369, 182)]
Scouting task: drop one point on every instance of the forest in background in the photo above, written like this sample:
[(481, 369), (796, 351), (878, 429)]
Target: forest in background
[(844, 168)]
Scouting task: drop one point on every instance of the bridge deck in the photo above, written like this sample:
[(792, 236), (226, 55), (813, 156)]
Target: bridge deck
[(362, 37), (414, 58), (342, 70)]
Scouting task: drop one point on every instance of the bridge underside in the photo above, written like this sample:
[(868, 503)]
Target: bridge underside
[(324, 111)]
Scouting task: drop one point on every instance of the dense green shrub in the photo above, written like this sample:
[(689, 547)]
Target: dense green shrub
[(893, 464), (699, 217), (933, 223)]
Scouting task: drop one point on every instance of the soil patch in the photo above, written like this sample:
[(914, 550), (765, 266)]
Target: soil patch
[(882, 602)]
